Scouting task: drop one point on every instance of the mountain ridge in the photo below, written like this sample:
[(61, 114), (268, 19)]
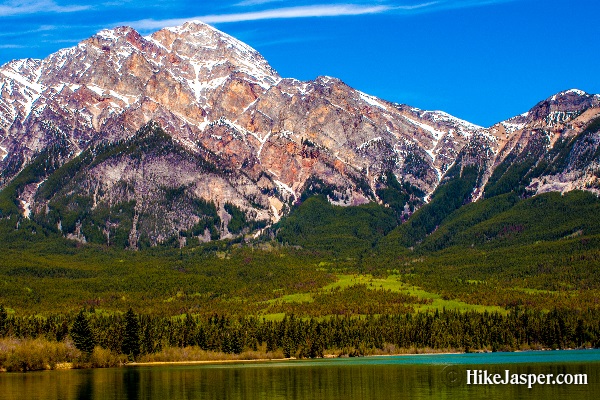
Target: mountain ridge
[(272, 138)]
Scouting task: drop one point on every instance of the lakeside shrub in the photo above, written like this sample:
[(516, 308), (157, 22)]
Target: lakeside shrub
[(35, 354), (101, 358), (195, 353)]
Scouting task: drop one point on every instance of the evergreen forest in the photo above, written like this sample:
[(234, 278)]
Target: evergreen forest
[(509, 272)]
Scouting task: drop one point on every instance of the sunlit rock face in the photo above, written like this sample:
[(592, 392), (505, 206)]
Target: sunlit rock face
[(239, 135)]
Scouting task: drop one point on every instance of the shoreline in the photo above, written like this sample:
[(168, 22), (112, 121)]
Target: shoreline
[(257, 360), (326, 356), (72, 365)]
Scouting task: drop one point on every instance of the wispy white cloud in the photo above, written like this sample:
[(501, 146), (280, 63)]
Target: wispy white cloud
[(248, 3), (317, 10), (412, 7), (279, 13), (288, 40), (43, 28), (70, 41), (25, 7), (12, 46), (454, 4), (475, 3)]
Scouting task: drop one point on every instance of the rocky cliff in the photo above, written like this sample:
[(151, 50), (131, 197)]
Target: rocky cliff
[(233, 145)]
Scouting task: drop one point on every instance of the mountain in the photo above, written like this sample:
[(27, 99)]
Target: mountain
[(553, 147), (189, 134)]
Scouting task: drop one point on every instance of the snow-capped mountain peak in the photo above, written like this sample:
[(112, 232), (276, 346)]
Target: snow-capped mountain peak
[(238, 134)]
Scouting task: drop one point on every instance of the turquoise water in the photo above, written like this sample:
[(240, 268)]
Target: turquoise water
[(397, 377)]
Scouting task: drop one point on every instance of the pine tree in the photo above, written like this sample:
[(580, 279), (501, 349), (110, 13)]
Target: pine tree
[(271, 343), (237, 342), (149, 343), (189, 332), (131, 336), (3, 321), (288, 346), (81, 333)]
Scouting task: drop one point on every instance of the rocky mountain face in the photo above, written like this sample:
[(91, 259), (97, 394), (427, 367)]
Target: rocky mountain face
[(232, 145), (553, 147)]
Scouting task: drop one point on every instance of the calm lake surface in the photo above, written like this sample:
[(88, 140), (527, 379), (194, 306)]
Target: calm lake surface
[(398, 377)]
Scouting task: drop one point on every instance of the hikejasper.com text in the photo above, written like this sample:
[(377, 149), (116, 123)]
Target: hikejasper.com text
[(483, 377)]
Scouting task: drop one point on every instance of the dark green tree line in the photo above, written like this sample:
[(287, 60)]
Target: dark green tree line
[(134, 335)]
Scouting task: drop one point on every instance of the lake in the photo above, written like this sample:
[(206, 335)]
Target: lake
[(396, 377)]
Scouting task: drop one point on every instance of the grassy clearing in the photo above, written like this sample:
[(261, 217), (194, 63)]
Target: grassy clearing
[(535, 291), (391, 283), (293, 298), (273, 316), (394, 283), (440, 304)]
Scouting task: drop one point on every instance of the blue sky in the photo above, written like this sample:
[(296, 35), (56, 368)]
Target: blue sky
[(480, 60)]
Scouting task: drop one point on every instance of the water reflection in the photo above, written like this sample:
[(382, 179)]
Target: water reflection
[(389, 378), (131, 383), (85, 386)]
